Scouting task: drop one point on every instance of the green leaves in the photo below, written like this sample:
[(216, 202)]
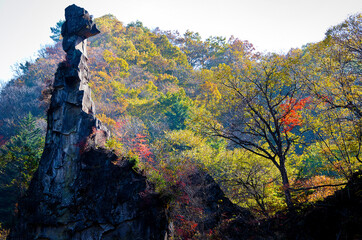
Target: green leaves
[(176, 109), (22, 153), (56, 31), (19, 159)]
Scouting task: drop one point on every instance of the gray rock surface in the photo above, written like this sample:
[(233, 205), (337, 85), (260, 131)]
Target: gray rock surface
[(78, 192)]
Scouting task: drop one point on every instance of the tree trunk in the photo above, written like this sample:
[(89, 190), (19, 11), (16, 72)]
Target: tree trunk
[(286, 187)]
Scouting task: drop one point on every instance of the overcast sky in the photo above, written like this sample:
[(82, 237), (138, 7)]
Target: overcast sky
[(271, 25)]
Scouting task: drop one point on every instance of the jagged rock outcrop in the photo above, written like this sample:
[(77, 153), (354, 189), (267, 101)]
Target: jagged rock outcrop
[(216, 206), (215, 210), (80, 190)]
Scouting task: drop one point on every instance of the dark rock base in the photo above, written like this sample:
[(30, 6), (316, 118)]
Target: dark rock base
[(110, 200)]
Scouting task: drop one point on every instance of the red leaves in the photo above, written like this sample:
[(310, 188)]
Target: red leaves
[(135, 142), (2, 140), (291, 116), (141, 148), (187, 228)]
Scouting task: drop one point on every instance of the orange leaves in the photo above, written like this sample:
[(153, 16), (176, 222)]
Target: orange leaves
[(317, 194), (291, 112)]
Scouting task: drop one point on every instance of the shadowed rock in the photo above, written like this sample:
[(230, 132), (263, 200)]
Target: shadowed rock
[(78, 22)]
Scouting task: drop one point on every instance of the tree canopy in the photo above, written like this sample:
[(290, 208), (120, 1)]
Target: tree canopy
[(264, 125)]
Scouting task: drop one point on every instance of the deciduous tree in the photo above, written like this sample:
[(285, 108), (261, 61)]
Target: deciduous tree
[(261, 101)]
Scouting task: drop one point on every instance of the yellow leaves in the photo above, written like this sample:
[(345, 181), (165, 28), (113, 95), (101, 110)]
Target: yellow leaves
[(118, 88), (143, 44), (113, 144), (224, 72), (332, 71), (106, 120), (118, 64), (139, 106), (202, 119), (248, 177), (185, 145), (104, 75), (151, 87), (125, 48), (185, 138), (167, 77), (108, 24), (348, 34), (149, 90), (337, 132), (205, 75), (168, 50), (211, 89)]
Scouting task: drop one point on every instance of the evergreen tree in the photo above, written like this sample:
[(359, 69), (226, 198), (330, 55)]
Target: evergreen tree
[(56, 31), (19, 158)]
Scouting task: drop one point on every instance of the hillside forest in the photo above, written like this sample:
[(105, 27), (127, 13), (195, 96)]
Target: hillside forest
[(275, 131)]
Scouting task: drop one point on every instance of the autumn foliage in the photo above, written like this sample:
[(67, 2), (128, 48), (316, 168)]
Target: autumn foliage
[(291, 112), (261, 124), (2, 141)]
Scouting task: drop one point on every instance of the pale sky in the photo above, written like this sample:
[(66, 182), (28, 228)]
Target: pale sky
[(271, 25)]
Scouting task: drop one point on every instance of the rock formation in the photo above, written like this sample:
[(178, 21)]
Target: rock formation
[(78, 192), (217, 210)]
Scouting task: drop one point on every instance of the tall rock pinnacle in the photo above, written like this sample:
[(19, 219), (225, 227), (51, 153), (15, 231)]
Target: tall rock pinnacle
[(78, 192)]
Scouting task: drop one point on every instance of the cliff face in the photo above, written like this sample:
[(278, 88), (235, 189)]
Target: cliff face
[(78, 192)]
